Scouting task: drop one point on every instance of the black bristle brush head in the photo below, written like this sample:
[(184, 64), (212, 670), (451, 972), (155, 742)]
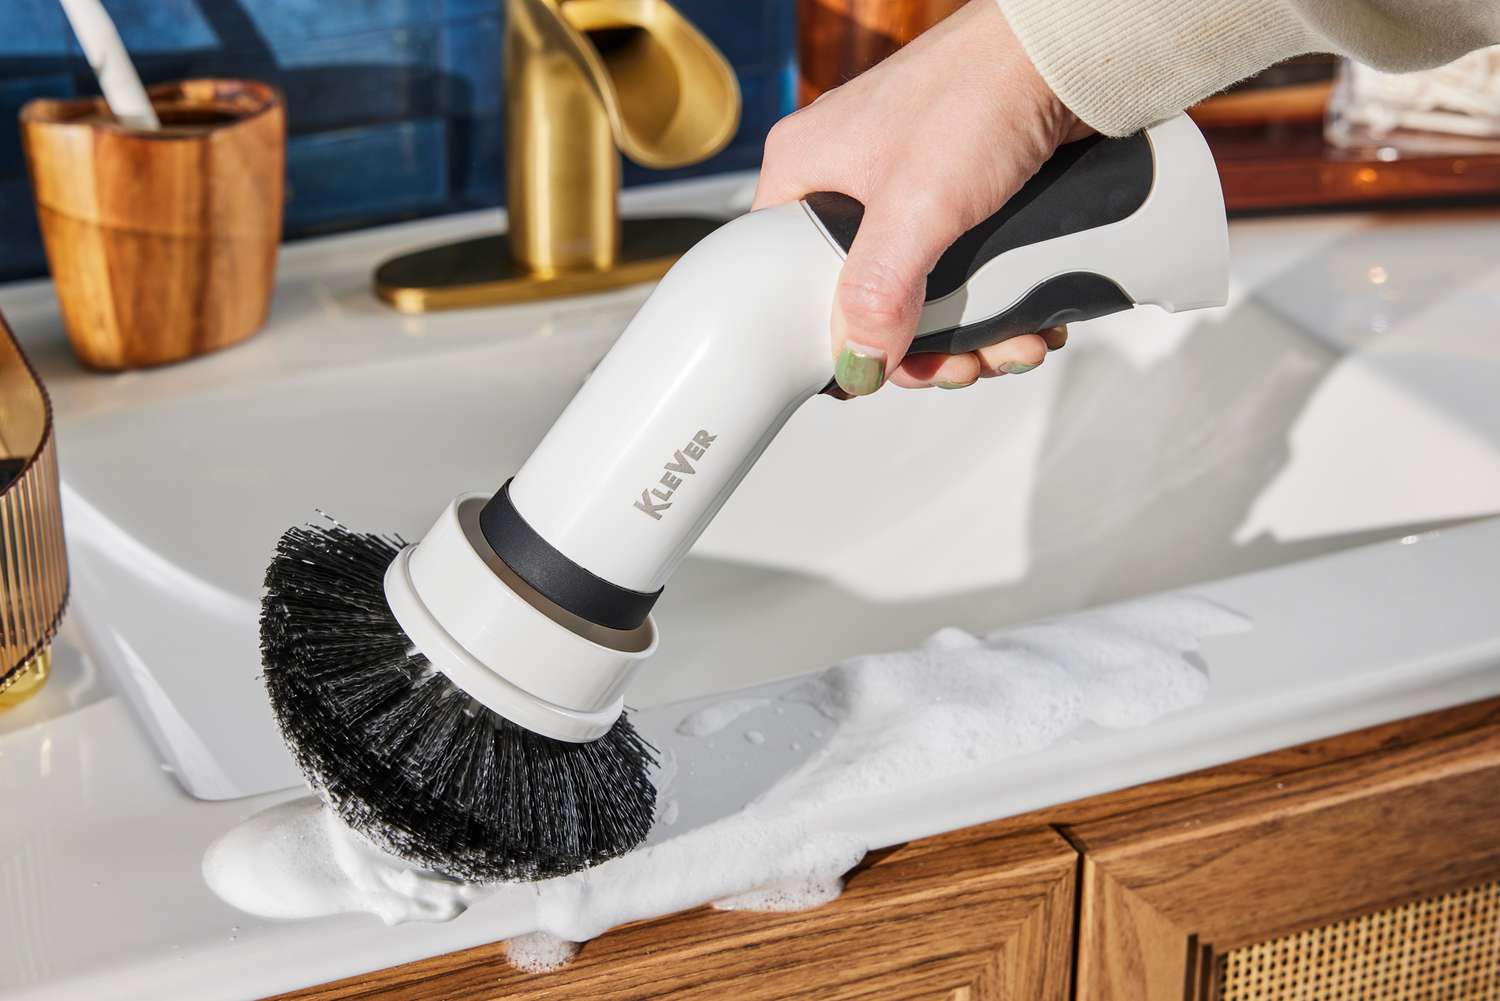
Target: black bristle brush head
[(410, 761)]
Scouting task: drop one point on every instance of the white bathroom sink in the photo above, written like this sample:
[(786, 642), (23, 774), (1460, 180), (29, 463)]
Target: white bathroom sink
[(1345, 396), (1342, 397)]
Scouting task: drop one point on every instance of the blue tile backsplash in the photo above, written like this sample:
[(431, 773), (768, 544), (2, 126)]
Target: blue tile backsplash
[(393, 106)]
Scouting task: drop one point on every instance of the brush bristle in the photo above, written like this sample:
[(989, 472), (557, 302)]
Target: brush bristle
[(408, 759)]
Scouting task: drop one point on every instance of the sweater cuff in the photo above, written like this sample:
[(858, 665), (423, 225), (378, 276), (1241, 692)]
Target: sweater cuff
[(1120, 65)]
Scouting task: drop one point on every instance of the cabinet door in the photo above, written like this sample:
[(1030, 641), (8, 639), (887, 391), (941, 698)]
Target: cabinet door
[(960, 917), (1375, 878)]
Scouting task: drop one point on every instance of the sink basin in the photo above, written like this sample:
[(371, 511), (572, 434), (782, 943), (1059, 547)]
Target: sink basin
[(1339, 399)]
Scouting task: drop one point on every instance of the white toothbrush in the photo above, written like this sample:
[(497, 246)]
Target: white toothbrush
[(111, 64)]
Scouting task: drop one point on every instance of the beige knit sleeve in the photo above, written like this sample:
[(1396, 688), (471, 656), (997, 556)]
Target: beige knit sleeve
[(1123, 64)]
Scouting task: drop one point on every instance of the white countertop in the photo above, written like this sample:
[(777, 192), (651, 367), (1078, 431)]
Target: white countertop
[(100, 891)]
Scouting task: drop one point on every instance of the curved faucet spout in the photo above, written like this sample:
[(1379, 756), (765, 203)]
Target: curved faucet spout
[(585, 78)]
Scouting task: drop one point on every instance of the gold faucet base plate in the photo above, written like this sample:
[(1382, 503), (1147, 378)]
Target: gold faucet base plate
[(480, 271), (27, 680)]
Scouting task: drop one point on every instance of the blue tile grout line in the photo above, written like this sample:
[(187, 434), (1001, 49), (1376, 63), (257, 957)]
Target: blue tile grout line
[(394, 106)]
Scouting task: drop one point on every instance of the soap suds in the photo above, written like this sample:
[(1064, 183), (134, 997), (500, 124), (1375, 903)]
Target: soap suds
[(957, 704), (666, 778), (963, 702), (539, 952), (728, 858), (713, 718), (803, 894), (950, 638), (298, 860)]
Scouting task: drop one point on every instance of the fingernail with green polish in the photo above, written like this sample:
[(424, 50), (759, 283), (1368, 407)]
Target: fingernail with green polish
[(1015, 367), (860, 370), (941, 384)]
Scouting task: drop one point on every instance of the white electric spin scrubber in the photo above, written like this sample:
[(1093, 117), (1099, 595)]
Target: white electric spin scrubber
[(537, 601)]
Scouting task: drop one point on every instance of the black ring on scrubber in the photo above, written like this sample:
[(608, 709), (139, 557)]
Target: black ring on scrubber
[(556, 577)]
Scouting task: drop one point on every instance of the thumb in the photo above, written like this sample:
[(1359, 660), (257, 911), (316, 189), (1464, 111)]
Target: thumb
[(881, 289)]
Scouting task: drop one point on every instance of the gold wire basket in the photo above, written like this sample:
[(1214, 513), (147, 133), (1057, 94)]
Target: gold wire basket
[(33, 560)]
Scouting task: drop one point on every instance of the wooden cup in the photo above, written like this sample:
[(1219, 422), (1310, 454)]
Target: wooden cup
[(162, 245)]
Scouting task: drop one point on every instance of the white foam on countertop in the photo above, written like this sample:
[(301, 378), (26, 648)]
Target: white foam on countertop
[(959, 703), (297, 860), (713, 718), (962, 702)]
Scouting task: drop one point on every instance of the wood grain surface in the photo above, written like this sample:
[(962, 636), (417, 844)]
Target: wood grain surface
[(1166, 890), (162, 245), (976, 920)]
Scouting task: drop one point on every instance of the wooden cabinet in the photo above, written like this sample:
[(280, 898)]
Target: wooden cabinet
[(1373, 878), (946, 919)]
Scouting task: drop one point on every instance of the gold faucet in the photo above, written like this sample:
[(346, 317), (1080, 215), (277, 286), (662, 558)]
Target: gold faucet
[(585, 80)]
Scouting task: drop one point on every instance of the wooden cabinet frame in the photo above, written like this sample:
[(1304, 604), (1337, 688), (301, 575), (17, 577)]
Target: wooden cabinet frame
[(946, 919), (1167, 891)]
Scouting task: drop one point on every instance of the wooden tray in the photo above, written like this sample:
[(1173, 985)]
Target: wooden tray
[(1286, 167), (1272, 157)]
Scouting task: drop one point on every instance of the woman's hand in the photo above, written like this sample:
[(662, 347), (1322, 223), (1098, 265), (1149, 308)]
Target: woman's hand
[(933, 140)]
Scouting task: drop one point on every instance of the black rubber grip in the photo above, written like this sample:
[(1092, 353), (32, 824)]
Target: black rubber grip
[(1086, 184), (1060, 299), (556, 577)]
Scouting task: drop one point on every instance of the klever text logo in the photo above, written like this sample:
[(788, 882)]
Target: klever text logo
[(658, 498)]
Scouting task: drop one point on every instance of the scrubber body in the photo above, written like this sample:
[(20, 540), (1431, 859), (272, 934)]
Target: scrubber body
[(730, 343)]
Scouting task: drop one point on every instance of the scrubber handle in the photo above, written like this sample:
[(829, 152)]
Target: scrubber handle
[(1059, 250)]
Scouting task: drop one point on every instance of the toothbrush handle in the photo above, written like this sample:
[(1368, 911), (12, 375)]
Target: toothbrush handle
[(1071, 244), (106, 55)]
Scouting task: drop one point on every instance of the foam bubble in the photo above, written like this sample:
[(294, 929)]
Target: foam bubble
[(950, 638), (298, 860), (539, 952), (798, 895), (713, 718)]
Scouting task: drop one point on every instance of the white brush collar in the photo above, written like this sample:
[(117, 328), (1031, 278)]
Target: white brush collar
[(501, 642)]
